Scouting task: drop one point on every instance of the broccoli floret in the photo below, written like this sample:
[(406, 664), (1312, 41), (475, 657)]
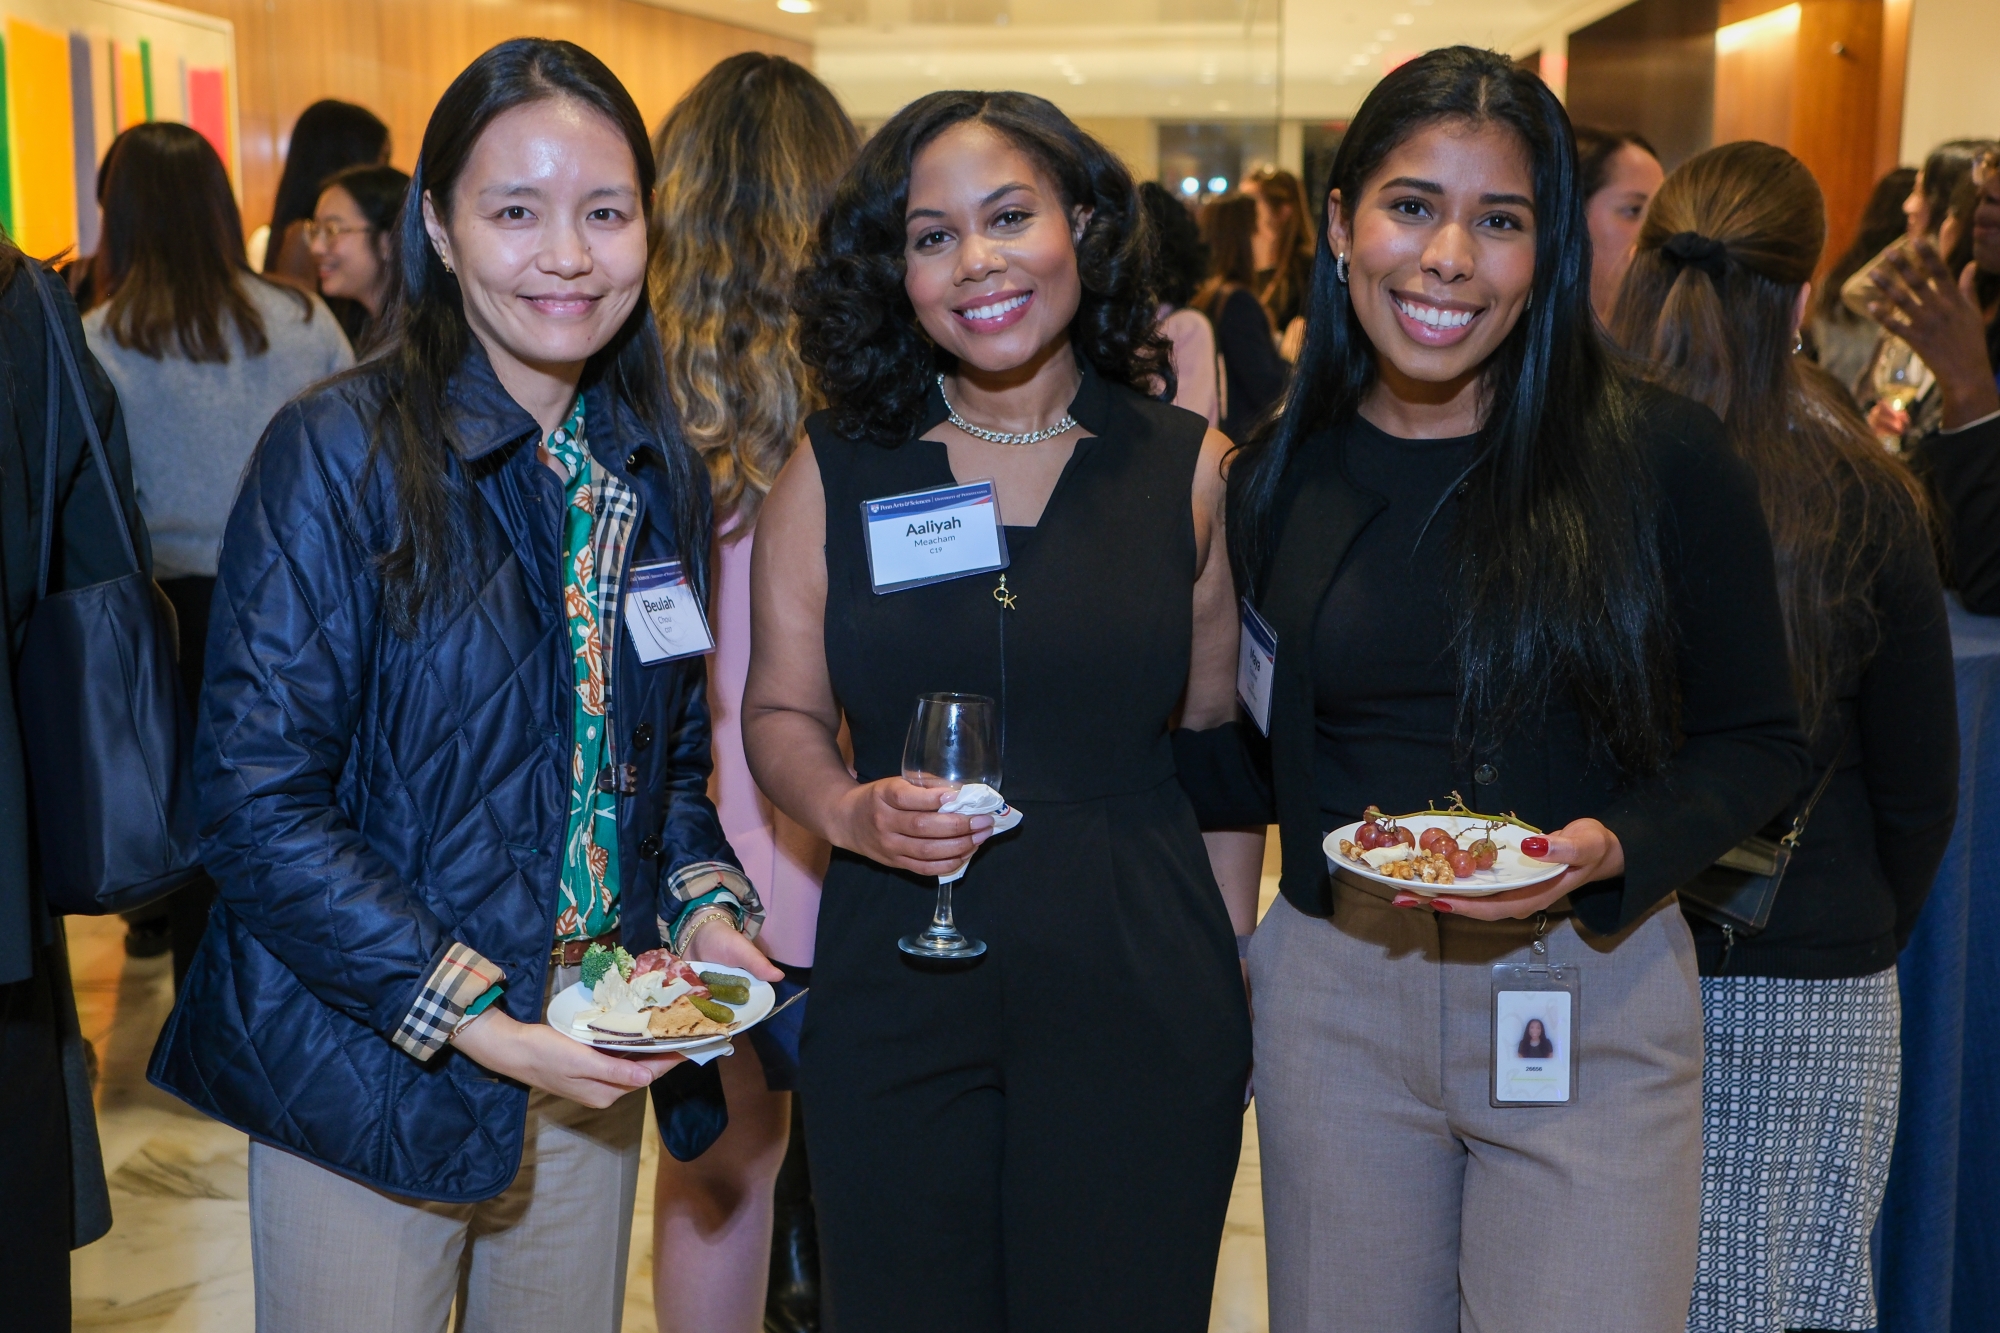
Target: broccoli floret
[(624, 960), (597, 961)]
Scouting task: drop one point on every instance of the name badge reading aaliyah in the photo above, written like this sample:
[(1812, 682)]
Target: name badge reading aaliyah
[(664, 615), (930, 536)]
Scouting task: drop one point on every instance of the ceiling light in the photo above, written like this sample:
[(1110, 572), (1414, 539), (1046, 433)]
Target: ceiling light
[(1385, 36), (1189, 185), (796, 6), (1217, 184), (1361, 60), (1404, 20)]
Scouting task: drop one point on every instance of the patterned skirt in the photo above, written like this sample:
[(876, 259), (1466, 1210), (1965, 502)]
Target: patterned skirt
[(1799, 1096)]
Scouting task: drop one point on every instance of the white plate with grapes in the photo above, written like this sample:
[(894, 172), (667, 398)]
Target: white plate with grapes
[(1456, 852)]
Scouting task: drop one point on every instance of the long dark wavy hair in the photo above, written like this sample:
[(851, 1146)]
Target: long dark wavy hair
[(429, 337), (748, 161), (1837, 505), (858, 330), (1559, 587)]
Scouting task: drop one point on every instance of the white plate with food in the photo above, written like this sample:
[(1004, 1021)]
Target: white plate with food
[(657, 1003), (1459, 853)]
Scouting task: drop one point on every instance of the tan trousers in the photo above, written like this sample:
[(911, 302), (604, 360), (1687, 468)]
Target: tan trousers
[(1397, 1199), (548, 1254)]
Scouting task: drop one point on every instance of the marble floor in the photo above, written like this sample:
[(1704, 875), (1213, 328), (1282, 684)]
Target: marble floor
[(177, 1259)]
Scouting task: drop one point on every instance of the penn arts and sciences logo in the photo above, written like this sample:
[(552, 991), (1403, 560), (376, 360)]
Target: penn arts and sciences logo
[(930, 527)]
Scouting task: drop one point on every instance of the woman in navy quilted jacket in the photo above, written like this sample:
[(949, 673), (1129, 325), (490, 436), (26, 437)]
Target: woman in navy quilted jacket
[(435, 766)]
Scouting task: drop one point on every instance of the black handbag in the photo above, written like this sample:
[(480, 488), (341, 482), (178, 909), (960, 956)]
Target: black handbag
[(104, 723), (1737, 892)]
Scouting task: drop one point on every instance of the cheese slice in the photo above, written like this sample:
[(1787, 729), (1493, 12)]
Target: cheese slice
[(1382, 856)]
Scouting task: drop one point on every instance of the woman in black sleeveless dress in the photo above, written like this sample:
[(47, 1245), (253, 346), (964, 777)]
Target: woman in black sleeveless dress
[(1043, 1138)]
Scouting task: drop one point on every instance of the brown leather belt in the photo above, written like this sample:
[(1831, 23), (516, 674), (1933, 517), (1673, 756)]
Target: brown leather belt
[(569, 953)]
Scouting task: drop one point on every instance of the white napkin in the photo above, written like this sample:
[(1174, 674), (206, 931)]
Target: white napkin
[(976, 798), (701, 1055)]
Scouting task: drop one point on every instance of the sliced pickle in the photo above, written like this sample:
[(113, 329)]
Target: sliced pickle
[(709, 1009)]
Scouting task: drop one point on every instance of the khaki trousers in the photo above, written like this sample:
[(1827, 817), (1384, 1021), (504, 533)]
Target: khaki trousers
[(1397, 1199), (548, 1254)]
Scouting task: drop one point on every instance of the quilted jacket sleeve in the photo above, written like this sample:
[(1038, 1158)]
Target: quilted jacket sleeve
[(296, 613)]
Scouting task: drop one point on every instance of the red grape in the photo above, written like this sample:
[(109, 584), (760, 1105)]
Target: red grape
[(1368, 837), (1485, 852), (1437, 840), (1402, 835), (1463, 863)]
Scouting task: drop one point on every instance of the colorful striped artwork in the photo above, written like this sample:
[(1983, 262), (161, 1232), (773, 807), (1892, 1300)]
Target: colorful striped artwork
[(73, 74)]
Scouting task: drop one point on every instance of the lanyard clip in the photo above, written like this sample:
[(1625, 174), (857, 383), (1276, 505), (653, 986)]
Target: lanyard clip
[(1540, 947)]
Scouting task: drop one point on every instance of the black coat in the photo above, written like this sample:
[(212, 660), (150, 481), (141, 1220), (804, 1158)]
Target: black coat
[(87, 550), (1962, 471), (1740, 762)]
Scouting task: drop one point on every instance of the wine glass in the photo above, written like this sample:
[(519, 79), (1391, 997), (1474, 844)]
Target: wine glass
[(950, 744), (1896, 377)]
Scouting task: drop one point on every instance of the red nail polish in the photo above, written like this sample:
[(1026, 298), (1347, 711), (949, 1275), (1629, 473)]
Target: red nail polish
[(1535, 847), (1441, 905)]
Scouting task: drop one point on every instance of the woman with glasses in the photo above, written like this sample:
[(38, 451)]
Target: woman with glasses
[(353, 240)]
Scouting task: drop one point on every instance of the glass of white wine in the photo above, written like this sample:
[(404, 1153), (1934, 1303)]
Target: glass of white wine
[(951, 743), (1895, 377)]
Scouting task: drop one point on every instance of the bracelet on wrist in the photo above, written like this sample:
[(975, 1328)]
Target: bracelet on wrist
[(701, 916)]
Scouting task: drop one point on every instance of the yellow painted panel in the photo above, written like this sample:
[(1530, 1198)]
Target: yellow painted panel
[(44, 153)]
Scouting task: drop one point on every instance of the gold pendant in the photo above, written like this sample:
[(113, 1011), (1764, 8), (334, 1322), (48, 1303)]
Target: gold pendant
[(1002, 596)]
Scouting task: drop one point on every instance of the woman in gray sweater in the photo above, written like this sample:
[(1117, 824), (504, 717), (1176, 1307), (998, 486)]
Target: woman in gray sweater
[(203, 352)]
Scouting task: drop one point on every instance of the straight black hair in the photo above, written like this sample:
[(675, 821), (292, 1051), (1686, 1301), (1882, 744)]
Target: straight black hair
[(857, 329), (1560, 587), (327, 136), (429, 337)]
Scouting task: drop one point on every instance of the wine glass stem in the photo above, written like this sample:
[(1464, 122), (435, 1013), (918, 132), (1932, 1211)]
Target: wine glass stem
[(941, 920)]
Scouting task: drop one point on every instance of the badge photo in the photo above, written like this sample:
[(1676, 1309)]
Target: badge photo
[(1534, 1059)]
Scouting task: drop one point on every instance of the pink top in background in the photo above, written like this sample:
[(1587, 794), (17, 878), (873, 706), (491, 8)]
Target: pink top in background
[(785, 862), (1194, 363)]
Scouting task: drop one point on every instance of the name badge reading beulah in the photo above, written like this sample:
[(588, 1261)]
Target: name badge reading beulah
[(929, 536), (663, 614)]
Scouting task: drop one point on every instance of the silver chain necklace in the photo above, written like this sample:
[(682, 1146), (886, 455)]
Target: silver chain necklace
[(1068, 422)]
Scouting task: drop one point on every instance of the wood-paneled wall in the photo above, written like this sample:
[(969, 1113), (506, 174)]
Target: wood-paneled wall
[(397, 56)]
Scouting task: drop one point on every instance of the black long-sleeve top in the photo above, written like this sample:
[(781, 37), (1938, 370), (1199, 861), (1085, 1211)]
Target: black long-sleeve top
[(1254, 373), (1742, 755), (1962, 470), (1850, 898)]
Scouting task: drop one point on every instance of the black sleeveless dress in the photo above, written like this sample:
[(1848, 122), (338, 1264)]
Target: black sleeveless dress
[(1045, 1138)]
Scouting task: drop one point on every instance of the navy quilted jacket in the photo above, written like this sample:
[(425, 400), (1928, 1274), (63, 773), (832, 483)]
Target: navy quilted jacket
[(368, 801)]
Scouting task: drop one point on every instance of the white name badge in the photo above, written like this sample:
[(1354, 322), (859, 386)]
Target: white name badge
[(663, 614), (930, 536), (1256, 660)]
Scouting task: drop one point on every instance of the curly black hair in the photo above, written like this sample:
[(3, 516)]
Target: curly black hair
[(857, 328), (1180, 255)]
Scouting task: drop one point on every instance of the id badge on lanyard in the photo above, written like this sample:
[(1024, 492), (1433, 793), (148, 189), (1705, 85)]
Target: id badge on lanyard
[(1537, 1006), (930, 536), (1256, 660), (663, 614)]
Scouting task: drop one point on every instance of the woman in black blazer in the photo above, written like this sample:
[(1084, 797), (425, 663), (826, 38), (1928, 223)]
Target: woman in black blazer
[(1494, 565)]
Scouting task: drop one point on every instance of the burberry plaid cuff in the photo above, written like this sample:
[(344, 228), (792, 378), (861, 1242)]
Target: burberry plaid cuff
[(460, 978), (700, 883)]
